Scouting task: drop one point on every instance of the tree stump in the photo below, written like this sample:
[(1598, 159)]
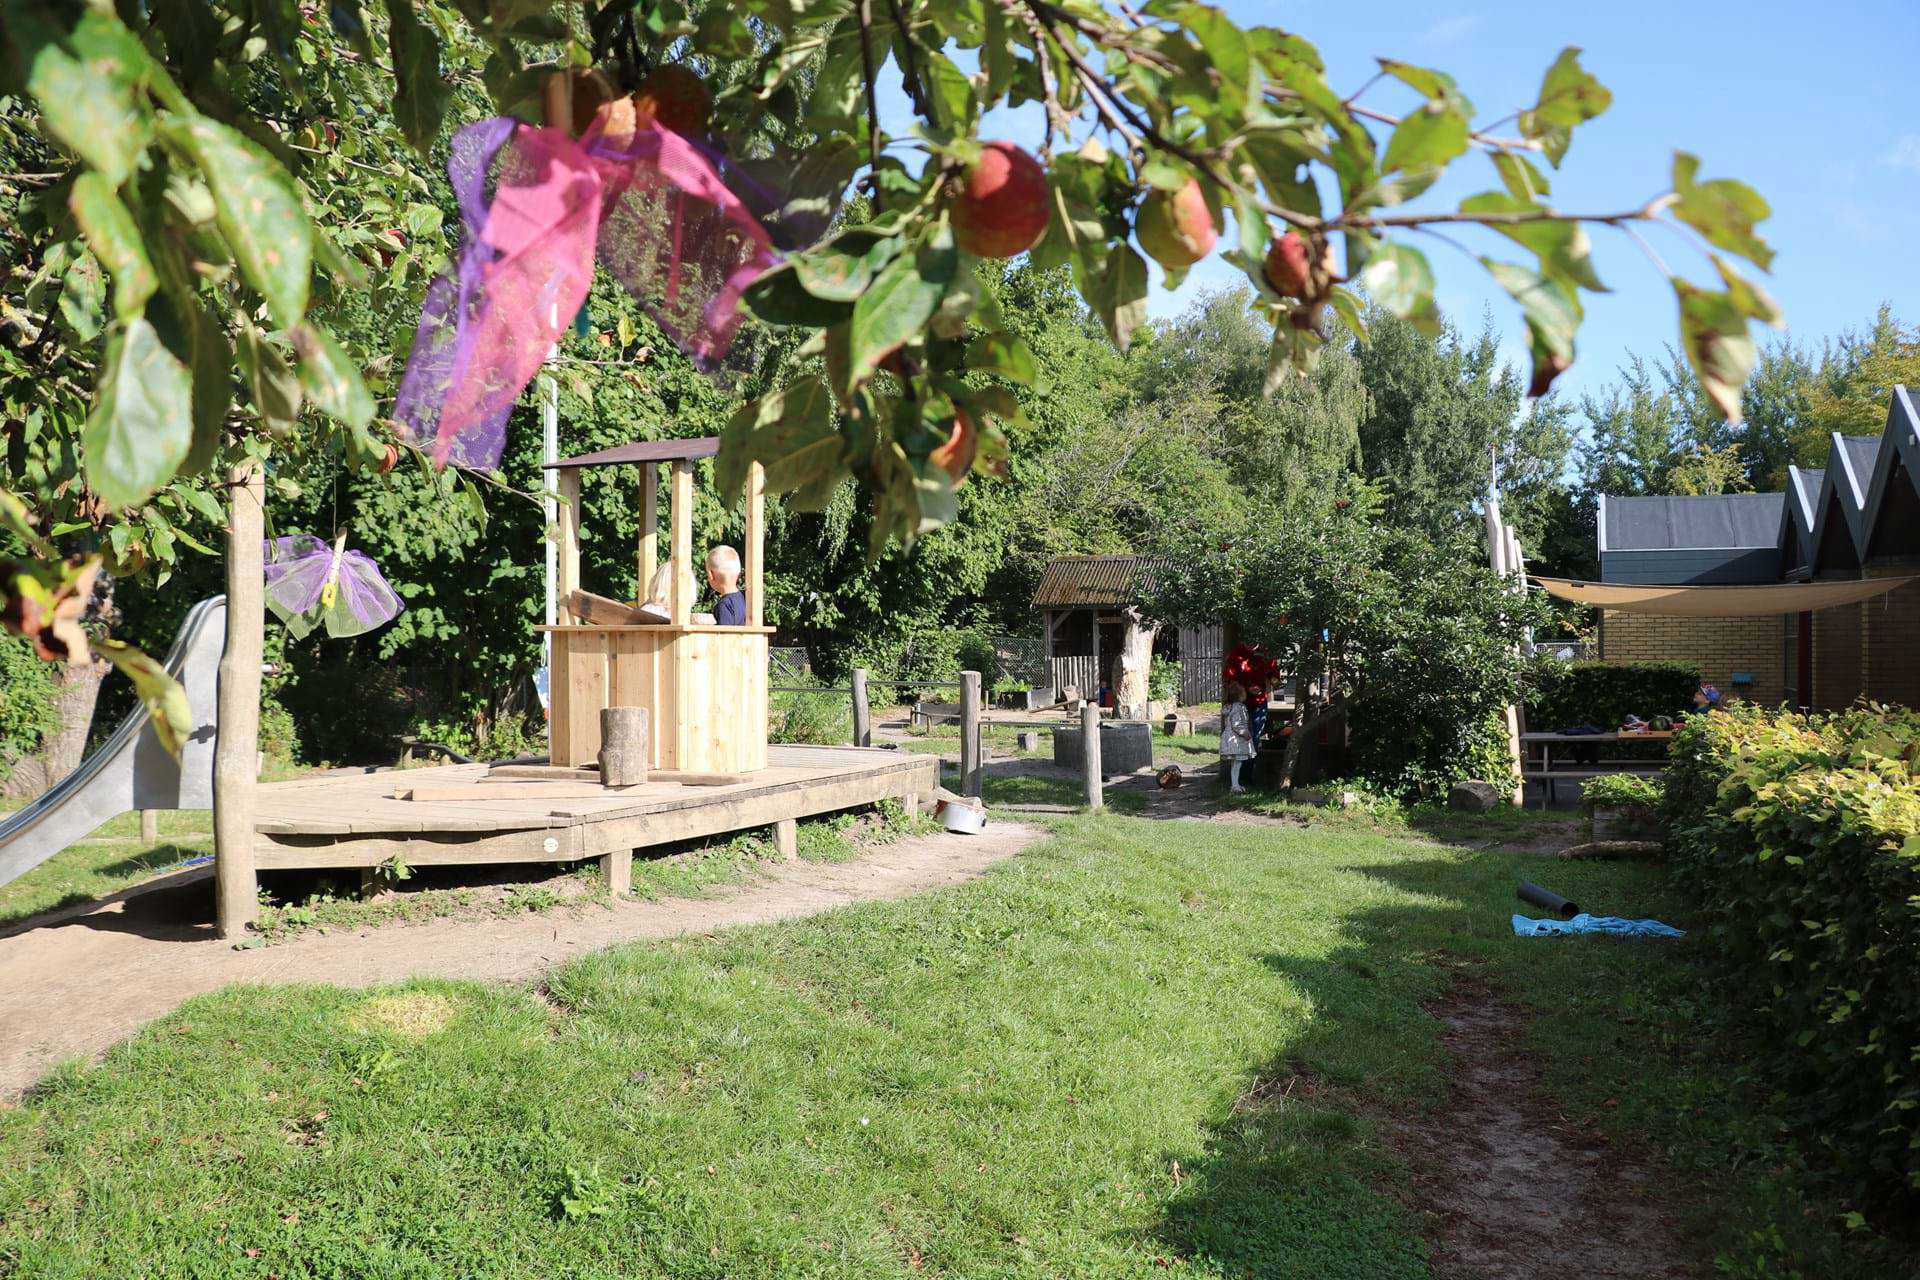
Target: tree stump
[(623, 746)]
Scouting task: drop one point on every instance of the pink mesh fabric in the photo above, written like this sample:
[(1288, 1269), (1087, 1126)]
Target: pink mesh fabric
[(524, 271), (662, 221), (684, 245)]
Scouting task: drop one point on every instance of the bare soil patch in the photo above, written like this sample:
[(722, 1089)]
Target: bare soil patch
[(1510, 1186)]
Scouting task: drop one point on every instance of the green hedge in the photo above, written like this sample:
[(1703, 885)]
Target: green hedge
[(1563, 694), (1800, 838)]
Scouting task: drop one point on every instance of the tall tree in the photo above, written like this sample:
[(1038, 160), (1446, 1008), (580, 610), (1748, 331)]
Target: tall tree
[(1437, 407)]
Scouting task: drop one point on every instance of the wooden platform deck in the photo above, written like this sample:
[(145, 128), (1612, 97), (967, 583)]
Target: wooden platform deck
[(353, 820)]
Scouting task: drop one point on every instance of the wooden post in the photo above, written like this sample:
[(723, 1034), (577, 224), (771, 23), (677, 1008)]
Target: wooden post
[(1093, 695), (862, 713), (681, 556), (236, 754), (1090, 733), (786, 838), (970, 733), (149, 826), (617, 869), (648, 558), (567, 572), (756, 581), (623, 746)]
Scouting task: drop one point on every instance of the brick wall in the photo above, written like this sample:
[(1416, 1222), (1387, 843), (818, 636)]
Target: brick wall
[(1836, 656), (1892, 645), (1720, 646)]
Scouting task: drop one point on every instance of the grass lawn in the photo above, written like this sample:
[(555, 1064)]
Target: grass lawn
[(1054, 1071), (107, 861)]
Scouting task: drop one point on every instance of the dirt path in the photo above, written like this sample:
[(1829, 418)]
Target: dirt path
[(1510, 1188), (75, 983)]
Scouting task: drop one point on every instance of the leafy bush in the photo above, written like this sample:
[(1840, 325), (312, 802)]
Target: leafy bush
[(822, 719), (1622, 791), (1163, 680), (1800, 838), (29, 701), (504, 737), (1563, 694)]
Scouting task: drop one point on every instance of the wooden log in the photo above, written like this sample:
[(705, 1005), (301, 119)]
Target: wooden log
[(786, 838), (970, 732), (862, 712), (1090, 768), (236, 756), (623, 745), (149, 826)]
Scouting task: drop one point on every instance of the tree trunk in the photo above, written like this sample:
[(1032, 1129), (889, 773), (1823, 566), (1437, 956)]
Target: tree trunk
[(63, 749), (236, 758)]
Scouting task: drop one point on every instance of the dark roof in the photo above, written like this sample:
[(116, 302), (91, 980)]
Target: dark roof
[(645, 451), (1861, 451), (1806, 487), (1080, 582), (1721, 521)]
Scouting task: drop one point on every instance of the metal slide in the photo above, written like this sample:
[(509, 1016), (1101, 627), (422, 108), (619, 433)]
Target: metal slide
[(131, 770)]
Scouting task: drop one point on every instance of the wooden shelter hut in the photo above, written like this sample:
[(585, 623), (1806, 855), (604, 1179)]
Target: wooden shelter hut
[(1097, 635)]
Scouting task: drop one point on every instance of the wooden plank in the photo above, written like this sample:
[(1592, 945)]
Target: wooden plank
[(277, 852), (586, 694), (786, 838), (756, 543), (680, 512), (648, 556), (745, 810), (588, 607), (560, 697), (546, 772), (532, 792)]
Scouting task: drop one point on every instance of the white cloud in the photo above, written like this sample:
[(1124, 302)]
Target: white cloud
[(1904, 153), (1452, 30)]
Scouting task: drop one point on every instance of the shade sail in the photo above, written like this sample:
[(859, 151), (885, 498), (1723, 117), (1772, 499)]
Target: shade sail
[(1721, 602)]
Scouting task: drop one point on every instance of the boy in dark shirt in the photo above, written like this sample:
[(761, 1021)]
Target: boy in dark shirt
[(723, 575)]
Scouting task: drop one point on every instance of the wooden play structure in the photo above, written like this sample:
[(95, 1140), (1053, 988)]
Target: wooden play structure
[(704, 686)]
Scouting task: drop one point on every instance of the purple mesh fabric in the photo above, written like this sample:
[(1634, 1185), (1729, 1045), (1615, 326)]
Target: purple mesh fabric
[(535, 206), (297, 568)]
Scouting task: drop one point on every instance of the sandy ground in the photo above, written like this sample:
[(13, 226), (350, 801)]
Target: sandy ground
[(76, 982), (1510, 1188)]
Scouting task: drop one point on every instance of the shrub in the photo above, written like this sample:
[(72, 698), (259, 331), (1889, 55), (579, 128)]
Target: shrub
[(1563, 694), (1622, 791), (1800, 838), (1163, 680), (29, 701), (821, 719)]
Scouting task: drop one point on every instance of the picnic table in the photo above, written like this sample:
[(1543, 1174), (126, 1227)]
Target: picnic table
[(1546, 770)]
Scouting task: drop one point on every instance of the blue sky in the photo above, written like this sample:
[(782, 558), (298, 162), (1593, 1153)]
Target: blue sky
[(1813, 105)]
